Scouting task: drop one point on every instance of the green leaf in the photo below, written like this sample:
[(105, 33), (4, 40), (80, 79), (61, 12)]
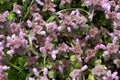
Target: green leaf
[(51, 74), (21, 61), (12, 16), (91, 77), (51, 19)]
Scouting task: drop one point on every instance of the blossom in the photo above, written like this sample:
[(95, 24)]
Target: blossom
[(45, 71), (106, 6), (98, 70), (39, 2), (35, 71), (112, 48), (17, 8), (30, 78), (84, 68), (10, 52), (90, 53), (75, 73), (93, 32), (60, 68), (51, 27), (63, 47), (77, 50)]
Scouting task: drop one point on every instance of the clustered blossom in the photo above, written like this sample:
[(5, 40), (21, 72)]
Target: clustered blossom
[(58, 40)]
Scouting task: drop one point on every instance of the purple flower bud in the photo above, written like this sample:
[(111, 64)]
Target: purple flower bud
[(106, 7), (30, 78), (60, 15), (39, 2), (84, 68), (115, 39), (6, 13), (35, 71), (87, 37), (42, 32), (102, 46), (45, 71), (97, 47), (117, 7), (10, 52), (114, 75), (118, 16), (104, 78), (29, 23), (88, 3), (60, 69), (5, 67), (105, 53), (1, 36), (109, 73), (69, 29)]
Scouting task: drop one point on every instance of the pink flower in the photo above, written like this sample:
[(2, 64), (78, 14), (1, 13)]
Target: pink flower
[(117, 63), (106, 6), (118, 16)]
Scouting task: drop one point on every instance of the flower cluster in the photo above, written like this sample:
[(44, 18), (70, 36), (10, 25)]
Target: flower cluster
[(60, 40)]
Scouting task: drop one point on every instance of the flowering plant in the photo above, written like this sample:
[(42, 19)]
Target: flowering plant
[(59, 39)]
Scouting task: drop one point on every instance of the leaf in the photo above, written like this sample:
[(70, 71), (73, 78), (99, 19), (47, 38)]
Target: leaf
[(21, 61), (51, 19), (51, 74), (91, 77), (13, 75), (12, 16)]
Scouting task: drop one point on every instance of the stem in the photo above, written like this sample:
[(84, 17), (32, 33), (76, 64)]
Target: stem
[(28, 10), (44, 61), (70, 9)]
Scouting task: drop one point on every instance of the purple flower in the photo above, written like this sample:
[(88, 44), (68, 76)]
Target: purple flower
[(118, 16), (30, 78), (39, 2), (60, 68), (106, 7), (45, 71), (105, 53), (75, 73), (17, 8), (29, 23), (54, 54), (35, 71), (10, 52), (84, 68)]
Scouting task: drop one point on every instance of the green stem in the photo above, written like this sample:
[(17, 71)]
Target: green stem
[(70, 9), (28, 10)]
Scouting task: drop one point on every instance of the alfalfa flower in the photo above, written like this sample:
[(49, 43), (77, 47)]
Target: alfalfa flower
[(63, 47), (98, 70), (84, 68)]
